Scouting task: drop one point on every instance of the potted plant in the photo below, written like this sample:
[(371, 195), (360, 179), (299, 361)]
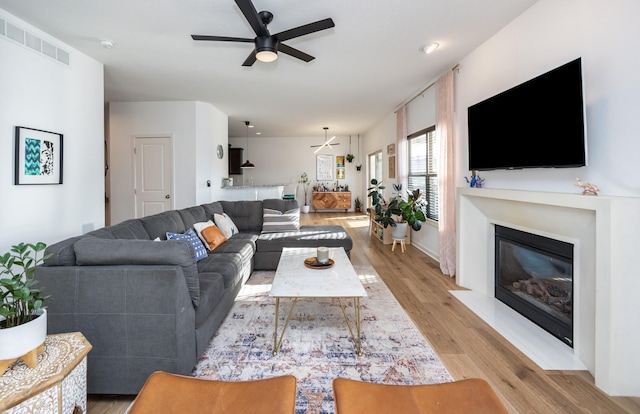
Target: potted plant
[(23, 319), (398, 212), (304, 180), (350, 157), (357, 204)]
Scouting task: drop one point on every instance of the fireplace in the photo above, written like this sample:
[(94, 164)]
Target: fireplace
[(534, 276)]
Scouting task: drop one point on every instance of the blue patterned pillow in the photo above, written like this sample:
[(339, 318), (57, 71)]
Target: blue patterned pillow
[(191, 237)]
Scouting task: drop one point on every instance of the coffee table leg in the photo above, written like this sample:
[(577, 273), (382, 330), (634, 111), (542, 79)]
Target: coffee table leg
[(278, 341), (356, 340)]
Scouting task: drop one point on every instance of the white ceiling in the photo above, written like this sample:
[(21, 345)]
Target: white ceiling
[(365, 67)]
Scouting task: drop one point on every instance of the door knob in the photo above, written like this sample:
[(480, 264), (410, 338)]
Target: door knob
[(167, 196)]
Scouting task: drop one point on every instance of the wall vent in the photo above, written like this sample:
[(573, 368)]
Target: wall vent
[(32, 42)]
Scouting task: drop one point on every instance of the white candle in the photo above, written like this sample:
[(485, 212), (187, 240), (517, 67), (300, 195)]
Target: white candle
[(323, 255)]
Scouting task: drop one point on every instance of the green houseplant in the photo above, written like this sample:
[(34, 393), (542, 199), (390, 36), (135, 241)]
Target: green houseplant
[(397, 210), (305, 182), (357, 204), (23, 319)]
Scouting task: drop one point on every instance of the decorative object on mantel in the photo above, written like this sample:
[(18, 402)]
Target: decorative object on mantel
[(475, 180), (304, 180), (38, 157), (23, 320), (587, 188)]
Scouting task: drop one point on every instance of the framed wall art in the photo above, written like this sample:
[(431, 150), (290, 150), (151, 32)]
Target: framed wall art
[(38, 156), (324, 167), (339, 161), (340, 174), (392, 166), (391, 149)]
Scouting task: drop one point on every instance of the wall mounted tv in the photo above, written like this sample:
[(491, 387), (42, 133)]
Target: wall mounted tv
[(537, 124)]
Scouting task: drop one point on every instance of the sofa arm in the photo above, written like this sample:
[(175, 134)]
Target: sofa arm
[(139, 319), (93, 251)]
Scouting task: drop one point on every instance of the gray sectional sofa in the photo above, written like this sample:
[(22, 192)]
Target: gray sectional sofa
[(146, 305)]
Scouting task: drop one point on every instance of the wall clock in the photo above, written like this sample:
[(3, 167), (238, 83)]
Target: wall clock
[(220, 151)]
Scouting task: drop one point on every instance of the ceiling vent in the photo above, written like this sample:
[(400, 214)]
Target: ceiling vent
[(33, 42)]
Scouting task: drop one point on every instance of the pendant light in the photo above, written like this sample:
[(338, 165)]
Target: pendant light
[(326, 142), (247, 163)]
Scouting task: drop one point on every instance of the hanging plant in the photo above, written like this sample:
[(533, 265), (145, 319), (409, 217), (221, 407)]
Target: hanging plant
[(350, 157)]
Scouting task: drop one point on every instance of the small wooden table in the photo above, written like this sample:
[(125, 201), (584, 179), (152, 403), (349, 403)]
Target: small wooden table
[(57, 384)]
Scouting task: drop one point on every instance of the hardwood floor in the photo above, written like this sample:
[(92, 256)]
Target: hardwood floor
[(467, 346)]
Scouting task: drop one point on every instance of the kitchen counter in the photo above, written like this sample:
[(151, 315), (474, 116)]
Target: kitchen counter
[(254, 192)]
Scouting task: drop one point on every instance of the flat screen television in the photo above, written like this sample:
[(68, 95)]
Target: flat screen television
[(537, 124)]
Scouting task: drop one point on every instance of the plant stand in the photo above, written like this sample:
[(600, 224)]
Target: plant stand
[(30, 359), (402, 245)]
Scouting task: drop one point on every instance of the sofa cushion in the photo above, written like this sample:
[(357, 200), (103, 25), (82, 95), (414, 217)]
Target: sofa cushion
[(276, 220), (129, 229), (247, 215), (159, 224), (307, 236), (280, 205), (61, 253), (212, 208), (93, 251), (211, 291), (213, 237), (192, 215), (226, 225), (190, 236)]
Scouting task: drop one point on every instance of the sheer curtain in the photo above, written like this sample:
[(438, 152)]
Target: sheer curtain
[(446, 181), (402, 169)]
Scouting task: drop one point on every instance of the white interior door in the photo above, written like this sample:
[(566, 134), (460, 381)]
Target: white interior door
[(154, 175)]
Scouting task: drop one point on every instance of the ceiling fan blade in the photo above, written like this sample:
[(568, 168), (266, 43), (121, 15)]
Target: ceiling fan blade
[(251, 59), (304, 30), (222, 38), (294, 52), (251, 14)]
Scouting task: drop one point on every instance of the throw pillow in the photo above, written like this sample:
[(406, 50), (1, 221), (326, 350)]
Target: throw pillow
[(225, 224), (213, 237), (198, 227), (191, 237), (276, 221)]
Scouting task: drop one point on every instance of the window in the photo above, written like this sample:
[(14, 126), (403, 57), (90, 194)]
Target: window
[(423, 167), (375, 170)]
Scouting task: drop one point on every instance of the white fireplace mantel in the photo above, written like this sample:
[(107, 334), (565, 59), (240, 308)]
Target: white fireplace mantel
[(605, 232)]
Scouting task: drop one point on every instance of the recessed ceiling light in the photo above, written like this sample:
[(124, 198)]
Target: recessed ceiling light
[(429, 47), (107, 44)]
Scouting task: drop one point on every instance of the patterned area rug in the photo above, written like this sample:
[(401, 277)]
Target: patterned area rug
[(317, 346)]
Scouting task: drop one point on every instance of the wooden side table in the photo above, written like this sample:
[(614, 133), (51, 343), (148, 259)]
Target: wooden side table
[(57, 384)]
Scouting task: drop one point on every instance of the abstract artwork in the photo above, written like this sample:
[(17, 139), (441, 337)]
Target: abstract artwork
[(38, 157)]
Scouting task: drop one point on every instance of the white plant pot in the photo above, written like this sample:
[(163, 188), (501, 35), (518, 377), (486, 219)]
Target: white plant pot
[(304, 209), (399, 232), (22, 339)]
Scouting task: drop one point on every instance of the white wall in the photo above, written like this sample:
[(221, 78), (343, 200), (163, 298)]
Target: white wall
[(548, 35), (38, 92), (420, 115), (196, 128), (283, 160)]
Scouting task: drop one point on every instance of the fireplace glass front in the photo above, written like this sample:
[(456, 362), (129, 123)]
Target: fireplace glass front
[(534, 276)]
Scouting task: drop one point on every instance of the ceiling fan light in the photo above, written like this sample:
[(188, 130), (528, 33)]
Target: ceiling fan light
[(266, 49), (266, 56)]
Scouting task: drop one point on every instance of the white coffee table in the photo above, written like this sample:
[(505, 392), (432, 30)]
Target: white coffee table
[(295, 280)]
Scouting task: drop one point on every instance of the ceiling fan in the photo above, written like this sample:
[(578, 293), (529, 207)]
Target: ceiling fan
[(267, 45), (326, 142)]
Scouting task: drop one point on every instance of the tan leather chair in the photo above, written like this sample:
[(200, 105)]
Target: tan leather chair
[(465, 396), (171, 393)]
